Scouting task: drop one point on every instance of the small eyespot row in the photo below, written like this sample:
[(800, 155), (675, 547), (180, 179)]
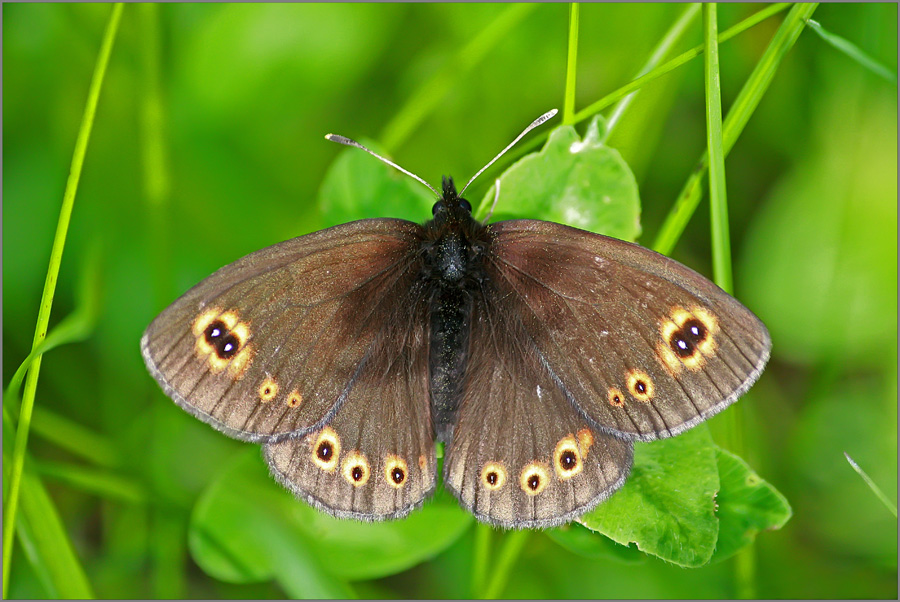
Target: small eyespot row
[(567, 458), (615, 397), (493, 476), (395, 471), (221, 340), (294, 399), (688, 338), (568, 461), (639, 386), (325, 452)]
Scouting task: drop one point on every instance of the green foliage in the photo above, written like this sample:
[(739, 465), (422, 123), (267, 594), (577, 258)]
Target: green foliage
[(667, 506), (573, 181), (207, 145), (247, 528)]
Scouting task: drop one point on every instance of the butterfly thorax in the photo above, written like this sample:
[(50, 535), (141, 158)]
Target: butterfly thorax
[(453, 268)]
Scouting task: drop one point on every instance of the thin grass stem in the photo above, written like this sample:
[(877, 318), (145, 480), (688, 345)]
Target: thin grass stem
[(59, 242), (568, 115), (744, 106)]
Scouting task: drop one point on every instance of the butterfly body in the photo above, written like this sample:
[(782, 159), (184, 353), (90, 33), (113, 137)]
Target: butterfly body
[(537, 352)]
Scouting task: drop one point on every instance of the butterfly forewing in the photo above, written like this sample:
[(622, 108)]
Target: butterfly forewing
[(642, 345), (521, 455), (271, 344), (375, 459)]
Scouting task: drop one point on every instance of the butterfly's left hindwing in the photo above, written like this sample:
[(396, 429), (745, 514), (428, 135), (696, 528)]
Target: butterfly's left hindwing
[(317, 347), (375, 459)]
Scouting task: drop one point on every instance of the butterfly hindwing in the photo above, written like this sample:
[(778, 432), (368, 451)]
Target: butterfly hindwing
[(642, 345), (375, 459), (270, 345), (521, 455)]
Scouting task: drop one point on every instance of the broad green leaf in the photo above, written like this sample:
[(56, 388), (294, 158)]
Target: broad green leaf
[(578, 182), (746, 505), (667, 506), (579, 540), (358, 186), (247, 528)]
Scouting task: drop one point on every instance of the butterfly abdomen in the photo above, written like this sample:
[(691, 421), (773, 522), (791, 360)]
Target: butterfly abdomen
[(453, 268)]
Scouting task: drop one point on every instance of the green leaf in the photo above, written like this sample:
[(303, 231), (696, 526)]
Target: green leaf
[(246, 528), (584, 542), (359, 186), (581, 183), (667, 506), (746, 505)]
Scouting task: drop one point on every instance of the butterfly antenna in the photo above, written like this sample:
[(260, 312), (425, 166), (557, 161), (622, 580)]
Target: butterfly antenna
[(494, 204), (349, 142), (533, 125)]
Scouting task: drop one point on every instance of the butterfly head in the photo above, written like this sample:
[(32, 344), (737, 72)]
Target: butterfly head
[(451, 207)]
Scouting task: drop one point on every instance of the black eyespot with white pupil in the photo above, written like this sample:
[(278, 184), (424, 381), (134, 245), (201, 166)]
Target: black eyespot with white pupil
[(534, 481), (324, 451), (220, 338), (397, 475), (492, 478), (684, 341), (568, 460), (357, 473)]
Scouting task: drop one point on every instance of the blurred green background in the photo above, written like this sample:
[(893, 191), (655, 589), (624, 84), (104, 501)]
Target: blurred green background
[(211, 122)]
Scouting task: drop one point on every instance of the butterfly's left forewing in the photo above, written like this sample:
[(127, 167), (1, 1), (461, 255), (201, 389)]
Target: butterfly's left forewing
[(269, 345)]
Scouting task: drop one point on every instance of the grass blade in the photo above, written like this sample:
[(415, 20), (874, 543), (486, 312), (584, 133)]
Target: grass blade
[(665, 45), (721, 245), (59, 242), (623, 92), (744, 106), (568, 115), (43, 536), (892, 507), (853, 51)]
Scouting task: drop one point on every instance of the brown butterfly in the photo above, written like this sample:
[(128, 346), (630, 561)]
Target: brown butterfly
[(535, 351)]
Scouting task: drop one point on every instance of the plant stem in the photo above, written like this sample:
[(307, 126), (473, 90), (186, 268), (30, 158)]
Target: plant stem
[(721, 244), (568, 115), (744, 106), (676, 62), (513, 543), (481, 557), (665, 45), (59, 242)]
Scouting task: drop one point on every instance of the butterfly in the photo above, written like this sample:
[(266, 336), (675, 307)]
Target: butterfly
[(536, 352)]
